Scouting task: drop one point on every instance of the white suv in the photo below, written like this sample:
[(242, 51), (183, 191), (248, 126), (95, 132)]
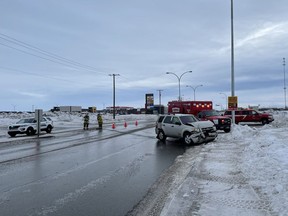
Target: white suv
[(187, 127), (29, 126)]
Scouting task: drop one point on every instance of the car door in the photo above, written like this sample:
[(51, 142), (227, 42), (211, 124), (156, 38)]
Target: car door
[(246, 116), (43, 124), (255, 116), (170, 126), (176, 127)]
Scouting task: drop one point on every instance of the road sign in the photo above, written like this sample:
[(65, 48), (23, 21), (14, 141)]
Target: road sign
[(38, 118), (232, 102)]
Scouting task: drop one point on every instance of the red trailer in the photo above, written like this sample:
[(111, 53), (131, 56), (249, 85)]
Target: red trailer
[(189, 107)]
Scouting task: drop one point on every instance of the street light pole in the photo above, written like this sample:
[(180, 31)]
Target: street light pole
[(114, 92), (179, 79), (232, 60), (225, 98), (194, 89)]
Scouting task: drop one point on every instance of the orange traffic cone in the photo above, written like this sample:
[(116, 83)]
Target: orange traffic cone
[(125, 124), (113, 126), (136, 123)]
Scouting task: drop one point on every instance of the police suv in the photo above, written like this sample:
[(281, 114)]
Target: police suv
[(28, 126)]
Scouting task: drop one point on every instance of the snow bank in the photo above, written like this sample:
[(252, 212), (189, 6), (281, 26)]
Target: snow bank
[(265, 160)]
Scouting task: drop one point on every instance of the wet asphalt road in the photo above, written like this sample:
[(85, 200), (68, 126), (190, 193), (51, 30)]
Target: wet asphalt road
[(81, 173)]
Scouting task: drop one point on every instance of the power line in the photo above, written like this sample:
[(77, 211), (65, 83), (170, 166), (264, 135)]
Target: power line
[(59, 59), (34, 55), (38, 75)]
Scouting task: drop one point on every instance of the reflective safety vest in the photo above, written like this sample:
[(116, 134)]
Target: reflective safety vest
[(86, 119)]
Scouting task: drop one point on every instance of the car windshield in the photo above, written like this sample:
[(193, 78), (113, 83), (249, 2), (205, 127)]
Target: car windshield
[(212, 113), (24, 121), (188, 119)]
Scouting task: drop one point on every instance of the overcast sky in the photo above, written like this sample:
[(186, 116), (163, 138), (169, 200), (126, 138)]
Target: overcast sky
[(61, 52)]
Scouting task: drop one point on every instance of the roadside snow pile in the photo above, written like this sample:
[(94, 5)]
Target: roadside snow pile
[(265, 161), (264, 158), (241, 131), (281, 119), (10, 118)]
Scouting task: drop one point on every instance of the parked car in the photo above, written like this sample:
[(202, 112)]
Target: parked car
[(221, 122), (29, 126), (250, 115), (186, 127)]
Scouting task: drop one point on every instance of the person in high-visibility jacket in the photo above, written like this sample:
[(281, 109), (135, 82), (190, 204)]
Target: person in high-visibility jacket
[(100, 120), (86, 122)]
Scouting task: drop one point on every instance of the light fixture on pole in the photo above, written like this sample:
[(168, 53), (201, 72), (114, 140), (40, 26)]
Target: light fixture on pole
[(225, 98), (194, 89), (179, 79), (114, 92)]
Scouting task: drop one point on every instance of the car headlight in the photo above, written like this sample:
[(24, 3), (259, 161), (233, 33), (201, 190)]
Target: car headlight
[(197, 130), (214, 128)]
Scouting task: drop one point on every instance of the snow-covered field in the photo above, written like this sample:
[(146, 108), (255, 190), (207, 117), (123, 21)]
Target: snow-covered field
[(264, 161), (73, 120)]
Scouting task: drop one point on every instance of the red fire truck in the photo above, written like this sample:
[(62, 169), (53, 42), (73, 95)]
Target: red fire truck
[(189, 107)]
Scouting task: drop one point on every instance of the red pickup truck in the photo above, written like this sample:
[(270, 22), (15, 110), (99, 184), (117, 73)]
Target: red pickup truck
[(250, 115), (221, 122)]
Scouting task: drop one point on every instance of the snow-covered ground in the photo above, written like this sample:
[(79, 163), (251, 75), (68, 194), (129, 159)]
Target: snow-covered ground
[(244, 172), (73, 120), (63, 118), (264, 159)]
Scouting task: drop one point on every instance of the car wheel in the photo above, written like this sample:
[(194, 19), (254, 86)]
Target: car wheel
[(187, 139), (30, 131), (227, 130), (49, 129), (265, 121), (161, 135)]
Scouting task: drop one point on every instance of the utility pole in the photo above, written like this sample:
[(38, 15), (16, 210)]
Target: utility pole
[(285, 107), (114, 92), (160, 90), (160, 109)]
